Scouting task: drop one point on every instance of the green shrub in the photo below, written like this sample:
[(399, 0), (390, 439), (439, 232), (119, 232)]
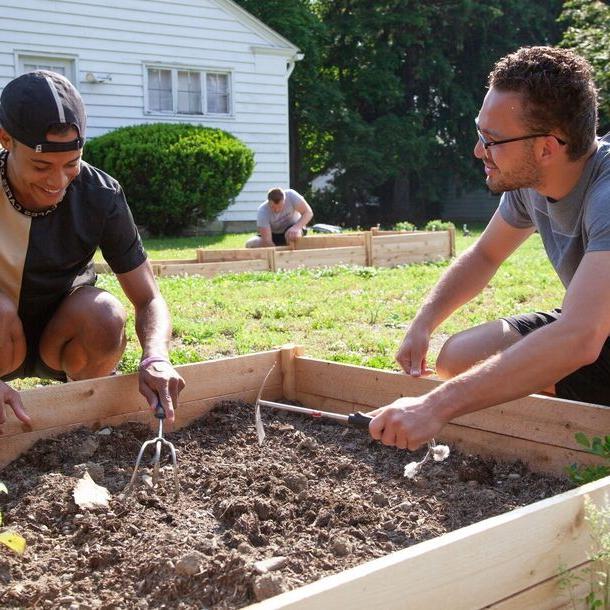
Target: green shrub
[(404, 225), (173, 175), (438, 225)]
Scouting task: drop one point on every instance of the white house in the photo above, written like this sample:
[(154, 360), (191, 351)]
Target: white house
[(206, 62)]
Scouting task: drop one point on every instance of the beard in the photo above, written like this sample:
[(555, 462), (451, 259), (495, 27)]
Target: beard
[(527, 175)]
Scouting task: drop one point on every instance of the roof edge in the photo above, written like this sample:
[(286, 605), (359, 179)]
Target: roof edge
[(249, 19)]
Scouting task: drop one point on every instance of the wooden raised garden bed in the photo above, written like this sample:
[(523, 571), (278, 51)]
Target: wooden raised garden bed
[(369, 248), (508, 561)]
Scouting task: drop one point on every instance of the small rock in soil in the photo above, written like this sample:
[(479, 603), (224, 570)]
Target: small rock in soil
[(340, 547), (380, 499), (268, 565), (189, 565), (296, 482), (86, 449), (244, 548), (268, 585), (96, 471)]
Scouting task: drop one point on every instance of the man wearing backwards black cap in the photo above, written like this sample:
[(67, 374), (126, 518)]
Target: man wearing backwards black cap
[(55, 211)]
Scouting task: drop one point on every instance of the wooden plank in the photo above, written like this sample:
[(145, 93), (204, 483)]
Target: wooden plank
[(212, 269), (330, 241), (537, 418), (271, 264), (368, 246), (549, 595), (416, 237), (401, 249), (473, 567), (65, 404), (540, 457), (451, 243), (353, 255), (105, 268), (287, 356), (205, 255)]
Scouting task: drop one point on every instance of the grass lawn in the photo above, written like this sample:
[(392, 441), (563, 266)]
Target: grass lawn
[(347, 314)]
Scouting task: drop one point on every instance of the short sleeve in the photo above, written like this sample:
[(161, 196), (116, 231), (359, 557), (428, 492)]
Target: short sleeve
[(121, 244), (513, 210), (262, 217), (597, 218)]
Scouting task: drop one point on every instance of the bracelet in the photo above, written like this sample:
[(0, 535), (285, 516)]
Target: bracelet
[(144, 363)]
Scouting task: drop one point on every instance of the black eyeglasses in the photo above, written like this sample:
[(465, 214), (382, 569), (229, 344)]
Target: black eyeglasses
[(489, 143)]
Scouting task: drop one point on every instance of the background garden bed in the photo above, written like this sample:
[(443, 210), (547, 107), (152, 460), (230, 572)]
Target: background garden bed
[(368, 248)]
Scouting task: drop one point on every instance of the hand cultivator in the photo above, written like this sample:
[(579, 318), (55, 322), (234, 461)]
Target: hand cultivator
[(158, 442), (358, 420)]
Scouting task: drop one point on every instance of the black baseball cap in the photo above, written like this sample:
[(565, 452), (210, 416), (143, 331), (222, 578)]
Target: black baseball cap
[(33, 102)]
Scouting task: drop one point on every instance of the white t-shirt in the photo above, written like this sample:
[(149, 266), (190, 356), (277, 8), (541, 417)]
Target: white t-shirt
[(285, 218)]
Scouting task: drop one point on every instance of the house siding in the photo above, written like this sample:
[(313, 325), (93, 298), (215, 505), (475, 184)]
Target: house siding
[(121, 37)]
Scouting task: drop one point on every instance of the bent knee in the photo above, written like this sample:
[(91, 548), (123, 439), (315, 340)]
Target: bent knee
[(453, 358), (8, 309), (108, 313)]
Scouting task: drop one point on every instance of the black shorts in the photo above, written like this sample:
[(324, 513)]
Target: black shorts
[(279, 239), (591, 383), (34, 320)]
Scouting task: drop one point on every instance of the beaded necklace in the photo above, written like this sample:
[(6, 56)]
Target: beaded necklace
[(9, 193)]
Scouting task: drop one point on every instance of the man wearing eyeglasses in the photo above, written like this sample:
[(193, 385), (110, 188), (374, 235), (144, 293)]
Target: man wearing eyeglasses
[(537, 142)]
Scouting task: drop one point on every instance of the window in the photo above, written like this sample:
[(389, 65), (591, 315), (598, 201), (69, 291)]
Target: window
[(189, 92), (218, 93), (29, 63), (160, 90)]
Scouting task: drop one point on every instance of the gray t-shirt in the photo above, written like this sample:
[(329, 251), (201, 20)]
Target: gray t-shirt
[(572, 226), (285, 218)]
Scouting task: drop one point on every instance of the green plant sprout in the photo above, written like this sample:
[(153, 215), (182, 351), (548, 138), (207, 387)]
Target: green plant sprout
[(12, 540), (597, 446)]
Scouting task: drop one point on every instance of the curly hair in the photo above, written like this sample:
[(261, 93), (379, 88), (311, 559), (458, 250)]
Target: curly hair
[(559, 93)]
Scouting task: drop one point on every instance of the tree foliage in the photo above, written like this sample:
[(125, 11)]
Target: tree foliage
[(313, 91), (588, 33), (387, 93)]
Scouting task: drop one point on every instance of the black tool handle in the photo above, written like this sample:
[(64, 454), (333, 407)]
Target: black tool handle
[(359, 420), (159, 411)]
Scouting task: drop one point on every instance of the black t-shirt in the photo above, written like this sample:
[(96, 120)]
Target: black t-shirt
[(43, 257)]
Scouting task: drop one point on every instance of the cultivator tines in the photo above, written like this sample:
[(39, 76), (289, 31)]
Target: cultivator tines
[(158, 442)]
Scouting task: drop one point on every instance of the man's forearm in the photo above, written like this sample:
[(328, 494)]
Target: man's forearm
[(464, 279), (305, 218), (153, 328), (535, 362)]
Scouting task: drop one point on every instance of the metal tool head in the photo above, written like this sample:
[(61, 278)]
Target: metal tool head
[(159, 442), (260, 431)]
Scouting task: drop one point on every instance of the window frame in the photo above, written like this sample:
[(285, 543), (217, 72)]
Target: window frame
[(203, 72), (23, 56)]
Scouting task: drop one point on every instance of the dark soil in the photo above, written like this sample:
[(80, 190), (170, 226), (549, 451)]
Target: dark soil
[(317, 497)]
